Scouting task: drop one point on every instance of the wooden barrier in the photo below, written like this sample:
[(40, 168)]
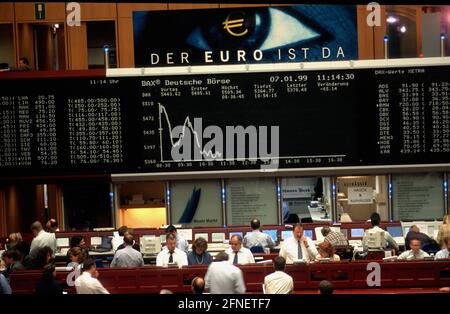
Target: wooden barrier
[(343, 275)]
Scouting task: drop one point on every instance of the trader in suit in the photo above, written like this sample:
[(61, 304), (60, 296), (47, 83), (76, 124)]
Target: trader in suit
[(239, 254), (223, 277), (256, 238), (170, 254), (298, 247)]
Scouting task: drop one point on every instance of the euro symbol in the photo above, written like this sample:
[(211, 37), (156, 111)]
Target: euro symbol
[(229, 24)]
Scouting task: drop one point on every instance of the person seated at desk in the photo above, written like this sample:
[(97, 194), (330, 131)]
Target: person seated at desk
[(77, 257), (199, 255), (298, 247), (256, 238), (87, 282), (333, 237), (182, 244), (11, 258), (43, 257), (170, 254), (444, 253), (237, 253), (414, 233), (278, 282), (223, 277), (13, 239), (48, 283), (415, 252), (128, 256), (326, 250), (444, 231), (135, 246), (23, 248), (78, 241), (326, 287), (375, 220)]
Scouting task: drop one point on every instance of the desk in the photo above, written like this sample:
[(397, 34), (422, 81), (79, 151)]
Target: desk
[(344, 275)]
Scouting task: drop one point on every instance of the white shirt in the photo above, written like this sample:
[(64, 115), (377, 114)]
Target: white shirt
[(86, 284), (41, 240), (278, 282), (127, 257), (442, 254), (182, 244), (245, 256), (289, 250), (389, 239), (258, 238), (224, 278), (409, 255), (178, 256)]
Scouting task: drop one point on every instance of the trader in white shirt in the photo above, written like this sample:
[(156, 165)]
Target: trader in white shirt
[(88, 283), (278, 282), (223, 277), (445, 252), (415, 252), (298, 247), (256, 237), (182, 243), (237, 253), (375, 220), (170, 254), (41, 239)]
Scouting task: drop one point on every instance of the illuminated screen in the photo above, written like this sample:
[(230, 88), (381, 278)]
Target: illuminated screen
[(357, 233), (286, 234), (395, 231), (235, 233), (273, 234), (308, 233)]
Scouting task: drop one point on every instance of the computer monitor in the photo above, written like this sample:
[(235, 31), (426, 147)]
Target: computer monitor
[(273, 234), (150, 244), (241, 234), (286, 234), (308, 233), (62, 242), (344, 232), (406, 230), (107, 243), (395, 231), (357, 232)]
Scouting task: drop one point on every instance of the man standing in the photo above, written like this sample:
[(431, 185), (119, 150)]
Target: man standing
[(237, 253), (298, 247), (128, 256), (182, 244), (41, 239), (256, 237), (414, 233), (333, 237), (415, 252), (278, 282), (88, 283), (52, 226), (223, 277), (170, 254)]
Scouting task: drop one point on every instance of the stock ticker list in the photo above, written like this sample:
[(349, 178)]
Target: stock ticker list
[(413, 112)]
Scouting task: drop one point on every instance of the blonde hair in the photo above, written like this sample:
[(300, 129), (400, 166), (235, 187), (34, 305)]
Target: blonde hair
[(15, 237), (446, 219)]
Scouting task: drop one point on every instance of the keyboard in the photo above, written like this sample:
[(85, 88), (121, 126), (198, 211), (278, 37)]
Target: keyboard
[(100, 250), (355, 242)]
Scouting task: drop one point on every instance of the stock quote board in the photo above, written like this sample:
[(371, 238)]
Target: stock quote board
[(220, 119)]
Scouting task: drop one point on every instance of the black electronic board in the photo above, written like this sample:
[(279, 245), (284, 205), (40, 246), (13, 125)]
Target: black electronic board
[(269, 120)]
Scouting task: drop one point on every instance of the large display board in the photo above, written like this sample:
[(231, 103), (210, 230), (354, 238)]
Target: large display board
[(334, 117)]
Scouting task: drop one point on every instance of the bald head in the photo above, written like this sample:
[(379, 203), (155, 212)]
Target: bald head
[(198, 285)]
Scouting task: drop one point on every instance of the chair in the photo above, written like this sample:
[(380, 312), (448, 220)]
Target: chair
[(257, 249)]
